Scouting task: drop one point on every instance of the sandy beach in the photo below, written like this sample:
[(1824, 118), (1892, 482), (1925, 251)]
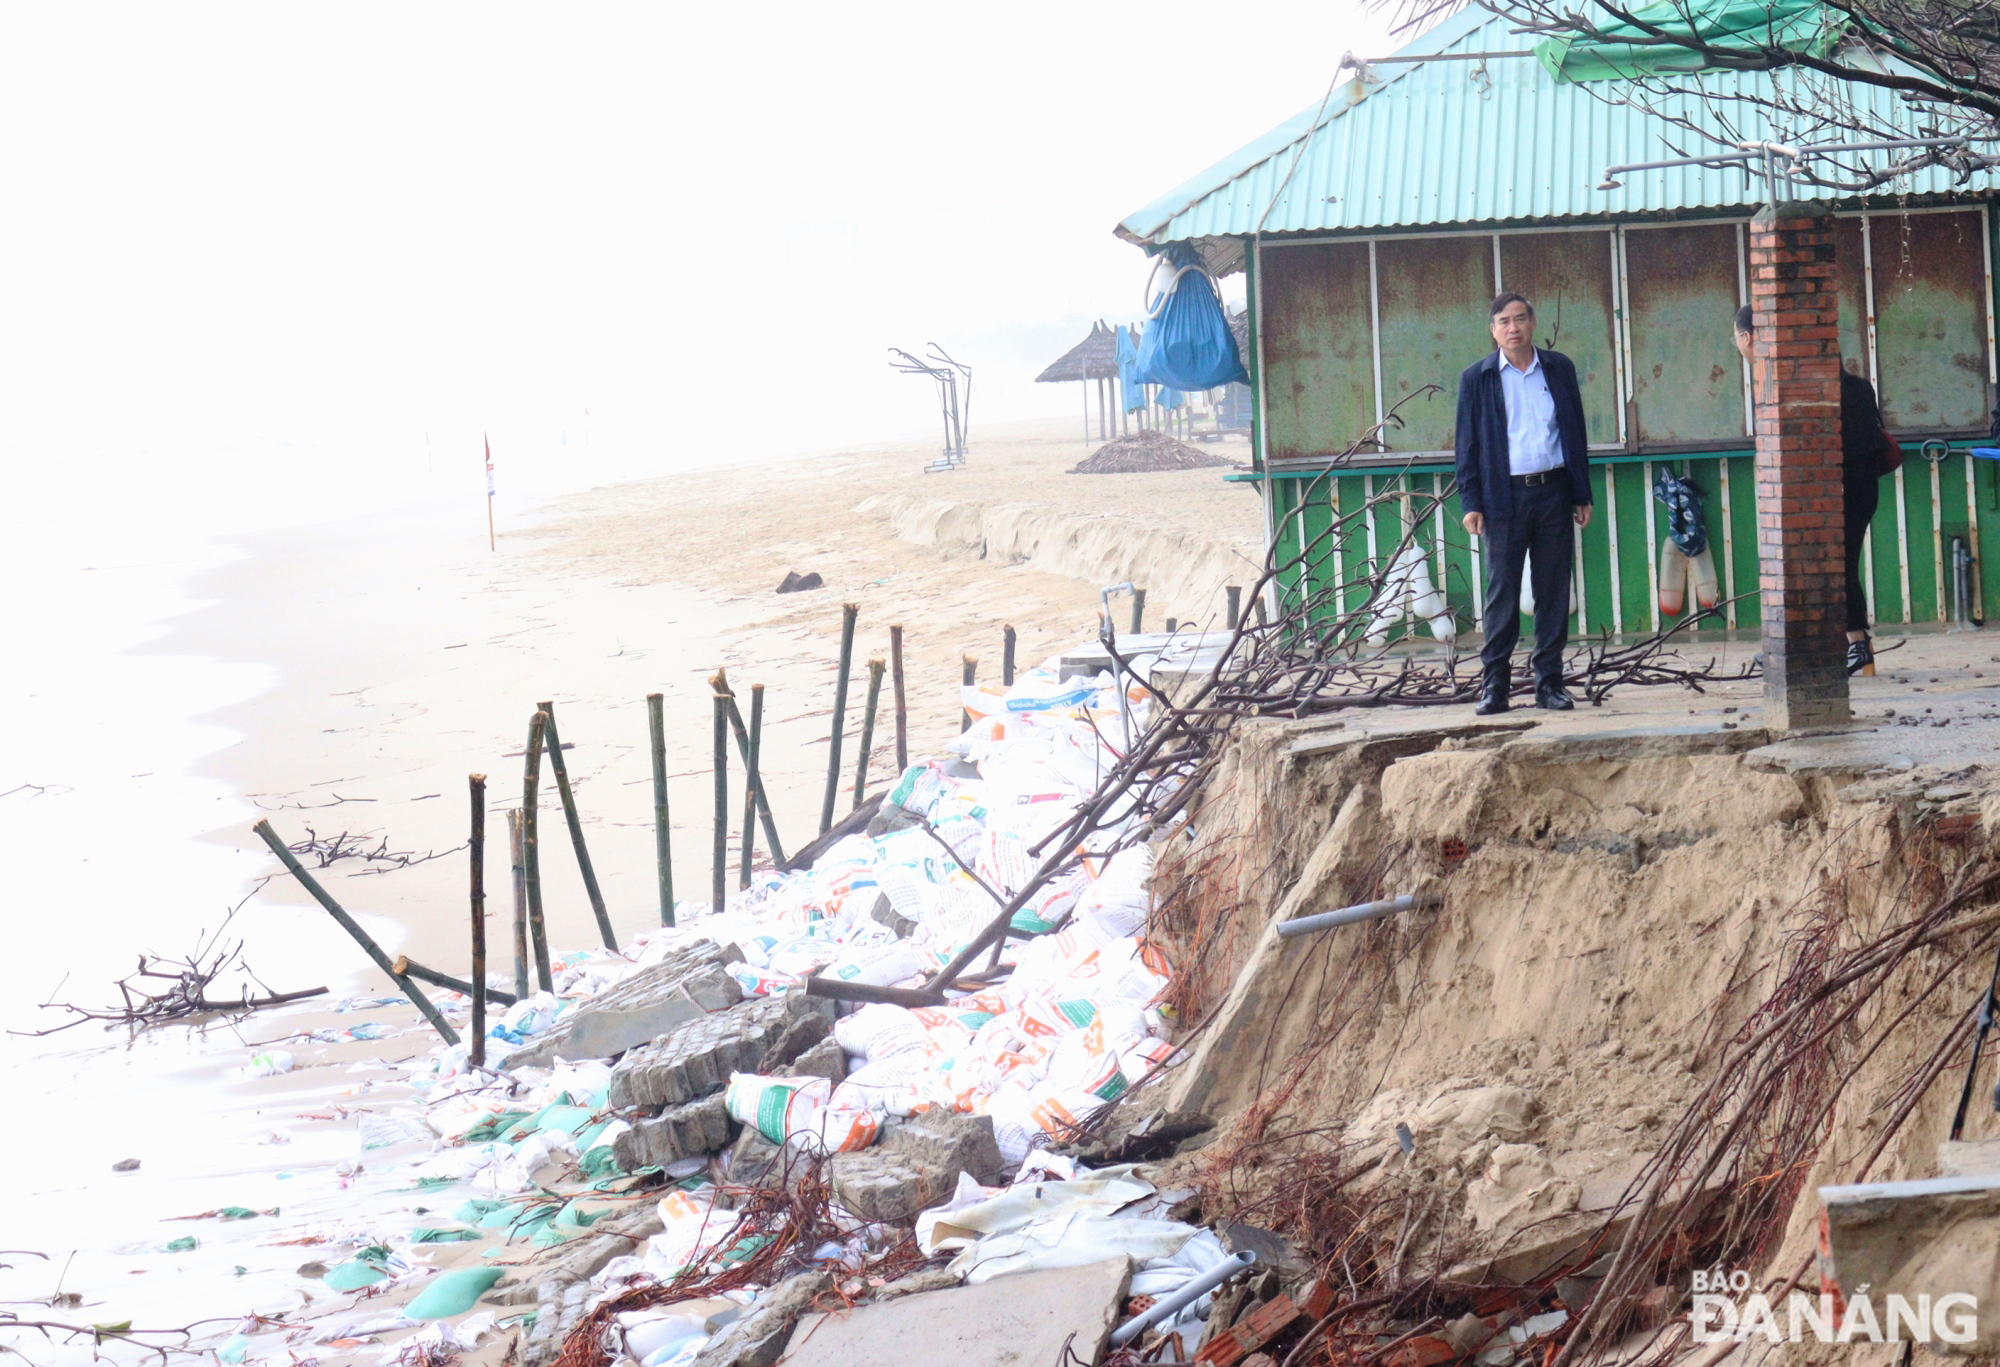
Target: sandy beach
[(410, 656)]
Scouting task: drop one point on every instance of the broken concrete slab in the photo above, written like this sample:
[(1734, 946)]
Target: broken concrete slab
[(600, 1033), (692, 967), (915, 1165), (698, 1058), (950, 1142), (1026, 1318), (1935, 1238), (825, 1059), (801, 1035), (687, 1131), (758, 1339)]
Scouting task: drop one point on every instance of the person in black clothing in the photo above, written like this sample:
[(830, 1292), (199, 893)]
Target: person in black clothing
[(1865, 456), (1523, 480)]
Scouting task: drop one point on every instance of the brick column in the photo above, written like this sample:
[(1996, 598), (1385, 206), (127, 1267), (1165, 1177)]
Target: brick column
[(1800, 534)]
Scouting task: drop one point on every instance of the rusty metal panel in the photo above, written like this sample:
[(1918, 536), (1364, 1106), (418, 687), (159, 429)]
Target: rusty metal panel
[(1687, 381), (1851, 278), (1319, 369), (1567, 276), (1435, 295), (1930, 321)]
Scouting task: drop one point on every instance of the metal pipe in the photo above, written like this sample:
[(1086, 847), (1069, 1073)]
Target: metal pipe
[(353, 928), (477, 861), (1962, 579), (531, 856), (590, 888), (1365, 911), (875, 669), (1167, 1306), (848, 612), (663, 849)]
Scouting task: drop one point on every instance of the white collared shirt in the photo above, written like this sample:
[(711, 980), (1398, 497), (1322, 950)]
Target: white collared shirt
[(1533, 444)]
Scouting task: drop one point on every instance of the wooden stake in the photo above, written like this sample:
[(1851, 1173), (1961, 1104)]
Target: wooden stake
[(750, 781), (875, 668), (514, 851), (1235, 614), (662, 844), (1138, 611), (531, 855), (848, 613), (352, 927), (719, 681), (1007, 655), (590, 888), (425, 973), (477, 846), (719, 883), (902, 708), (968, 677)]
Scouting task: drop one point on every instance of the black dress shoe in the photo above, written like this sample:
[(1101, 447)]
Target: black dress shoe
[(1553, 698), (1492, 699)]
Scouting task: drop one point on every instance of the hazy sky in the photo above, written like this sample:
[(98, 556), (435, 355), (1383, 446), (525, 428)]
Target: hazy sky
[(332, 229)]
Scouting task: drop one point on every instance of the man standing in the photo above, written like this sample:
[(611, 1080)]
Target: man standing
[(1523, 477)]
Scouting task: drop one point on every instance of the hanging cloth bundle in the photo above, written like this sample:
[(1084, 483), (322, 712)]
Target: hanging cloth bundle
[(1686, 566), (1187, 344)]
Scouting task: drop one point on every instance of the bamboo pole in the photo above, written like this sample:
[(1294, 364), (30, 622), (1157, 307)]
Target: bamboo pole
[(875, 668), (969, 675), (719, 880), (719, 681), (590, 888), (750, 782), (477, 848), (848, 613), (520, 903), (663, 849), (1138, 611), (425, 973), (353, 928), (531, 856), (902, 708), (1007, 655)]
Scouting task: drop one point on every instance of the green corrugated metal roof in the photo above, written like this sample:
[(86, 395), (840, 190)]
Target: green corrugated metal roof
[(1464, 142)]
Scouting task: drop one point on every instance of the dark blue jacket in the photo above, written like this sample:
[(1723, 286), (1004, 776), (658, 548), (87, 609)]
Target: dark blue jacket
[(1484, 485)]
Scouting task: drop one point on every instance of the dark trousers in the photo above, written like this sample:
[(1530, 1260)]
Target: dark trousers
[(1858, 497), (1537, 529)]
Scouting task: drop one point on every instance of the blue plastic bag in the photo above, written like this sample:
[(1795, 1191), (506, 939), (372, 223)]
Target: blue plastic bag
[(1188, 344)]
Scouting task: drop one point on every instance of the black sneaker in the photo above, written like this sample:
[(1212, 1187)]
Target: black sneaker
[(1861, 657)]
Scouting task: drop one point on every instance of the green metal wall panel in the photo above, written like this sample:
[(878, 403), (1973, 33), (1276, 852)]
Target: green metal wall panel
[(1568, 278), (1930, 283), (1914, 502), (1317, 347), (1435, 295), (1682, 284)]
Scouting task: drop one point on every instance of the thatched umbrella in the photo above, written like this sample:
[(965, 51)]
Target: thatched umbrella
[(1094, 358)]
